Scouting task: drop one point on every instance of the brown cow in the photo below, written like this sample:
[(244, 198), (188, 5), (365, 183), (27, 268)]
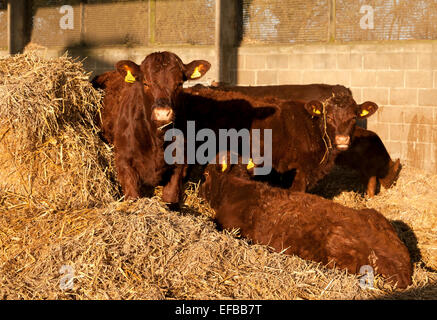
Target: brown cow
[(139, 103), (307, 137), (306, 225), (111, 82), (374, 162), (369, 157)]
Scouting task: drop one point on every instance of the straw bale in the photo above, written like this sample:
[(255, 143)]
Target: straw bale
[(50, 153)]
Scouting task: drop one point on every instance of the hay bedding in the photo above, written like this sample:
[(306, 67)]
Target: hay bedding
[(50, 154), (57, 208)]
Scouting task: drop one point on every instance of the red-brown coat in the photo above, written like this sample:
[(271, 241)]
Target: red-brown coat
[(306, 137), (139, 101), (306, 225), (367, 154), (370, 158)]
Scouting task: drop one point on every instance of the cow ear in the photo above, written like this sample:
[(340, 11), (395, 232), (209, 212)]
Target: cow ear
[(196, 69), (129, 70), (366, 109), (314, 108), (223, 166)]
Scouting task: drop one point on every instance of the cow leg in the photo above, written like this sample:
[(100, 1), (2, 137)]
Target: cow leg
[(172, 192), (300, 182), (129, 180), (371, 186)]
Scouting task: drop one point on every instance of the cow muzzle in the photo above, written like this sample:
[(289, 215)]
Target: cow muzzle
[(342, 142), (162, 115)]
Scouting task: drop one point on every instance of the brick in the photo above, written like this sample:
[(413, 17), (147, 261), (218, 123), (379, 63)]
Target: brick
[(309, 48), (435, 118), (360, 48), (267, 78), (349, 61), (404, 151), (403, 96), (289, 77), (277, 61), (392, 79), (324, 61), (337, 77), (357, 93), (241, 61), (435, 79), (394, 149), (425, 61), (396, 132), (423, 47), (376, 61), (428, 97), (377, 95), (386, 114), (363, 79), (418, 133), (255, 62), (418, 115), (336, 48), (381, 129), (300, 61), (246, 77), (418, 79), (402, 61), (310, 76)]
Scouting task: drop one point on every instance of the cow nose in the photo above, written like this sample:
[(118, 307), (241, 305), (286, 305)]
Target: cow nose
[(164, 114), (342, 142)]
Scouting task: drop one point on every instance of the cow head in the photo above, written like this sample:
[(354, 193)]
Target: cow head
[(218, 176), (164, 75), (338, 115)]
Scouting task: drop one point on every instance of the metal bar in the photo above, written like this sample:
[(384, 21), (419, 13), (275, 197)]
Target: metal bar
[(152, 21), (17, 36), (332, 21), (218, 40)]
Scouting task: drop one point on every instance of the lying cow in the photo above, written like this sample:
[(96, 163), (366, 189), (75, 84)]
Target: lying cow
[(374, 162), (139, 103), (306, 225), (307, 137)]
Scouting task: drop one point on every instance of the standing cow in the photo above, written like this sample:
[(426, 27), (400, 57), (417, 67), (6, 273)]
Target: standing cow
[(367, 153), (306, 137), (140, 103)]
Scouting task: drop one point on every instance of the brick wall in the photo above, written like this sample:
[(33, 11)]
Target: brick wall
[(101, 59), (400, 77)]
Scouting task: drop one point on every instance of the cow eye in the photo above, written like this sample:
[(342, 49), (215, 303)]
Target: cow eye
[(145, 84)]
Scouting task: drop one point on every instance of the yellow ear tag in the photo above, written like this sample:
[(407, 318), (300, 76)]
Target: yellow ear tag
[(364, 113), (196, 73), (250, 165), (224, 165), (129, 77), (316, 111)]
